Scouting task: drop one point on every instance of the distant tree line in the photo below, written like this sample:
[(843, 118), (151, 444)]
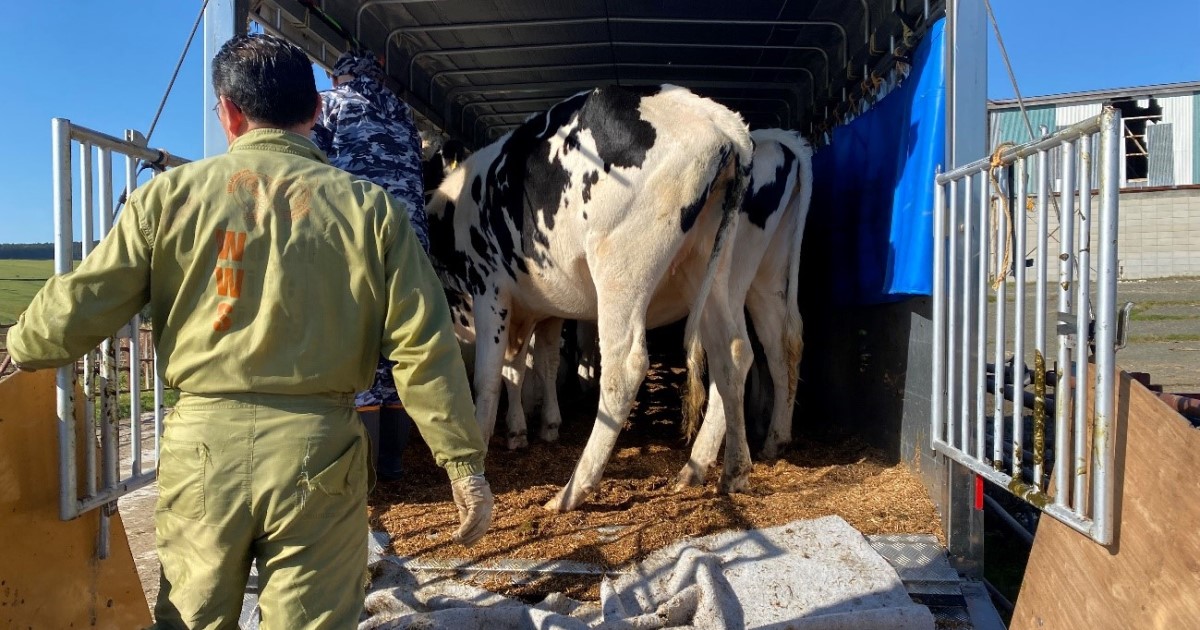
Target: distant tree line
[(34, 251)]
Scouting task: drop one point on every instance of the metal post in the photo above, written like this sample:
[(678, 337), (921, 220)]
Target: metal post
[(1082, 321), (223, 19), (135, 381), (1018, 409), (970, 249), (87, 210), (952, 321), (1039, 319), (109, 379), (966, 136), (1001, 294), (1103, 443), (68, 497), (981, 290), (938, 397), (1066, 268)]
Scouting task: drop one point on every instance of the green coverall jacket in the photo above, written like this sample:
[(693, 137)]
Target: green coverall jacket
[(268, 271)]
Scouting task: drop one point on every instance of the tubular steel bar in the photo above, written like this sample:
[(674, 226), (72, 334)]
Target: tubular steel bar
[(1018, 412), (87, 211), (557, 86), (964, 382), (484, 50), (1066, 338), (1082, 321), (109, 380), (1001, 295), (1010, 155), (606, 65), (1040, 300), (60, 130), (145, 154), (371, 3), (938, 416), (435, 28), (1103, 442), (1084, 494), (135, 381), (981, 291), (952, 316)]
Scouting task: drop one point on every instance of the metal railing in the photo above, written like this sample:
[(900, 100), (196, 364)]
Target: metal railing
[(978, 259), (110, 469)]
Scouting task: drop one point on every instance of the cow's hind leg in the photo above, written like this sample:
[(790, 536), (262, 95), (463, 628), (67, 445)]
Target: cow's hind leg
[(708, 442), (515, 373), (768, 311), (545, 364), (723, 331), (623, 364)]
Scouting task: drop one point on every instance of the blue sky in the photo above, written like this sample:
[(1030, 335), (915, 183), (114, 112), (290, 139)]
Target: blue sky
[(105, 65)]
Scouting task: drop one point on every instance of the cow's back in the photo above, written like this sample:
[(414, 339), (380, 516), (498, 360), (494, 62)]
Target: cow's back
[(611, 171)]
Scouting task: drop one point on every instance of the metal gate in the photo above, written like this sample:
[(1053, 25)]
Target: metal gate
[(113, 451), (980, 259)]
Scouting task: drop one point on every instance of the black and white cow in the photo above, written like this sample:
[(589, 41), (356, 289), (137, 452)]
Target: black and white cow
[(766, 265), (446, 158), (766, 269), (615, 206)]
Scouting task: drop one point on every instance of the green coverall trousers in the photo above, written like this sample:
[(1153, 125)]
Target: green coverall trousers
[(277, 479)]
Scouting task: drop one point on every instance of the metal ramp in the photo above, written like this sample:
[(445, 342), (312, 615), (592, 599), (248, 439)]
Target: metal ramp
[(923, 567)]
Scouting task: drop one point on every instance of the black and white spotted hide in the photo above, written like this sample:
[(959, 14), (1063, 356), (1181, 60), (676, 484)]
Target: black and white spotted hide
[(614, 206)]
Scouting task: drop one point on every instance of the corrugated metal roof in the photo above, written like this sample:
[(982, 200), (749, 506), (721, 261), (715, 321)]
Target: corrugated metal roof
[(474, 68), (1099, 96)]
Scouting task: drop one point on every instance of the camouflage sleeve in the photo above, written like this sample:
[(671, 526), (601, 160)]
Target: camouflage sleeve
[(412, 188), (429, 373), (322, 131), (75, 311)]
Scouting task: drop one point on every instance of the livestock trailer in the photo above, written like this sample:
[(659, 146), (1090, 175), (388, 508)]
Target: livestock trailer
[(909, 246)]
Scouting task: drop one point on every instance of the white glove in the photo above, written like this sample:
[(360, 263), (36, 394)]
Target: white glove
[(473, 496)]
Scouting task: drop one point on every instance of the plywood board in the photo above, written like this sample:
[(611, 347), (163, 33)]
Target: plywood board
[(49, 574), (1150, 576)]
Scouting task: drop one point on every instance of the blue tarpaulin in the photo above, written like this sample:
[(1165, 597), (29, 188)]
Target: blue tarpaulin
[(872, 210)]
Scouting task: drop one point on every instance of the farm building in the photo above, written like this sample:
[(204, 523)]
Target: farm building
[(1160, 170)]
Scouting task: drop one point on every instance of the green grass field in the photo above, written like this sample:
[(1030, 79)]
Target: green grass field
[(19, 281)]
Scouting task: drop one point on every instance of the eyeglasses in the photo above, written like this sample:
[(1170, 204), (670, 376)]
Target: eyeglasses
[(217, 106)]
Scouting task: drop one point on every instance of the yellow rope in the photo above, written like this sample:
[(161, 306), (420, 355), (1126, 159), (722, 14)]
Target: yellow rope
[(1001, 270)]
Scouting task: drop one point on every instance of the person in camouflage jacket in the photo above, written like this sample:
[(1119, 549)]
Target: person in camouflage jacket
[(367, 131)]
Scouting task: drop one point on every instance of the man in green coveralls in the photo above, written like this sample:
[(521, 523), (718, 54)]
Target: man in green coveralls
[(275, 281)]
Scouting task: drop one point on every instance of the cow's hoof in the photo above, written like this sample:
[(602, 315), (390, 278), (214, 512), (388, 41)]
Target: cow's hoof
[(550, 434), (516, 441), (771, 450), (562, 503), (688, 477), (736, 483)]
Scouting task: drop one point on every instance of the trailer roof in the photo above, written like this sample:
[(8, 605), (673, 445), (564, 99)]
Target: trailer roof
[(474, 68)]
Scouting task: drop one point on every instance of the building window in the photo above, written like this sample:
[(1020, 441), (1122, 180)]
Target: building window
[(1135, 116)]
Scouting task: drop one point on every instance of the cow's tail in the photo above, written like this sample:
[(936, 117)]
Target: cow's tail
[(694, 394), (798, 211)]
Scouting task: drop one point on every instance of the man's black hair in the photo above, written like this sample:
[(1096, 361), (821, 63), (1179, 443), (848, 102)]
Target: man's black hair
[(269, 79)]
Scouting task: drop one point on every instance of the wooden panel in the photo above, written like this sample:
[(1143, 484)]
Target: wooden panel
[(49, 575), (1150, 577)]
